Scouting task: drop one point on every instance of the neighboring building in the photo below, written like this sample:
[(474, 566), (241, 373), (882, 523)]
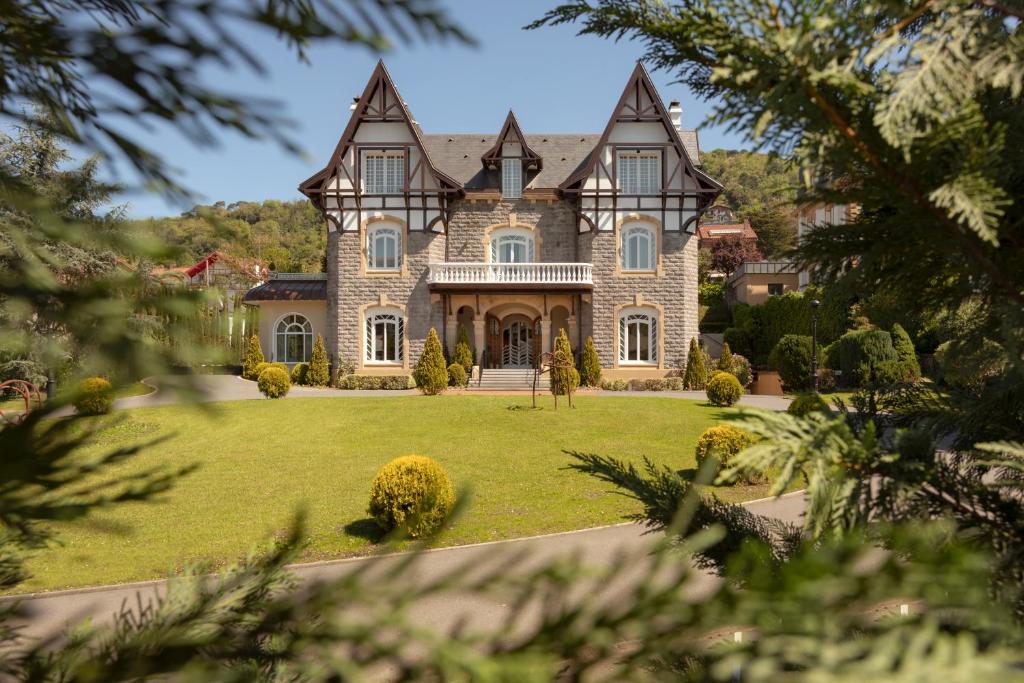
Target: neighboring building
[(810, 215), (511, 236), (719, 222), (755, 281)]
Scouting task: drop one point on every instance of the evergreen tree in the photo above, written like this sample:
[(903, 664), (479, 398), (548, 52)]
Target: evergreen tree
[(463, 351), (253, 357), (905, 353), (590, 372), (568, 378), (319, 374), (725, 360), (431, 372), (695, 376)]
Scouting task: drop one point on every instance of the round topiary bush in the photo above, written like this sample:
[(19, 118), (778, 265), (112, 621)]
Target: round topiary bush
[(274, 382), (412, 494), (258, 370), (300, 374), (724, 389), (457, 376), (95, 396), (808, 403), (792, 358), (723, 442)]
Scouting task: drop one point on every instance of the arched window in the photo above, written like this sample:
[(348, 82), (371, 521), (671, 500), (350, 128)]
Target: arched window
[(512, 246), (293, 339), (638, 336), (383, 247), (385, 336), (638, 247)]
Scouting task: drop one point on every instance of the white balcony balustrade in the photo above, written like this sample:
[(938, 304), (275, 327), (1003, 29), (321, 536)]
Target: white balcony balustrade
[(554, 274)]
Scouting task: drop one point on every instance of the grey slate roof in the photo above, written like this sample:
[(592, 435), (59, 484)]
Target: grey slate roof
[(289, 290), (458, 155)]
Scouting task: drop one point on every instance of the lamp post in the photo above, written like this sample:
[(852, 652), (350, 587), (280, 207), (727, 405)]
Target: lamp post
[(814, 344)]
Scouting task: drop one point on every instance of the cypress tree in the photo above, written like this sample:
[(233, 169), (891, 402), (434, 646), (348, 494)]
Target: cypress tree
[(253, 357), (725, 360), (590, 372), (696, 375), (319, 374), (463, 351), (562, 379), (431, 373)]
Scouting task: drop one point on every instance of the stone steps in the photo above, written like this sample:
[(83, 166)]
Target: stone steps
[(508, 379)]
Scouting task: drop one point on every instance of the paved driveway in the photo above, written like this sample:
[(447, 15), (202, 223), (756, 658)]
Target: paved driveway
[(48, 613)]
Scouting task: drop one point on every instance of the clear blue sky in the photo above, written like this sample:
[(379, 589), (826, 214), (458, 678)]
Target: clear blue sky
[(554, 80)]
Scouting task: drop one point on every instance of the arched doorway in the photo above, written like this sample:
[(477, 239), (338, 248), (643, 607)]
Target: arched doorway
[(516, 342)]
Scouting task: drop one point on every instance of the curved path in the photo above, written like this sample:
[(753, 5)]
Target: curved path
[(48, 613), (234, 388)]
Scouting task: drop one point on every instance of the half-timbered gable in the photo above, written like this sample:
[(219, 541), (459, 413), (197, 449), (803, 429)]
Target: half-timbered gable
[(641, 166)]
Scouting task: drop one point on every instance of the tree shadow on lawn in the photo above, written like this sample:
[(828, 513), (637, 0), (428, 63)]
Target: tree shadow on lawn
[(366, 528)]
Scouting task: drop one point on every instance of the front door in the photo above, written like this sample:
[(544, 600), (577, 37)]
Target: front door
[(517, 344)]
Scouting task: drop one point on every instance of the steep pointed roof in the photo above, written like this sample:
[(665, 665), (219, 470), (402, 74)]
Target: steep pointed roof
[(511, 129), (631, 107), (379, 102)]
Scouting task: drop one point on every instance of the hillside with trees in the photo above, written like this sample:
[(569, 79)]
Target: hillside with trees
[(284, 235), (762, 189)]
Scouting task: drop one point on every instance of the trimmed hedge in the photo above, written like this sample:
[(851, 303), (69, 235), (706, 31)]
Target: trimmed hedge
[(95, 396), (274, 382), (857, 352), (792, 358), (724, 389), (300, 374), (757, 329), (905, 352), (412, 494), (376, 382), (457, 376), (723, 442), (615, 385), (808, 403)]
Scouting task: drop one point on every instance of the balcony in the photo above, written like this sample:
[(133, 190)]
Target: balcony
[(498, 276)]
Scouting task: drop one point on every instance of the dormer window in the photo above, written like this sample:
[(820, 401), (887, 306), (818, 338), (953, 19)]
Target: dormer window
[(639, 173), (511, 178), (383, 172)]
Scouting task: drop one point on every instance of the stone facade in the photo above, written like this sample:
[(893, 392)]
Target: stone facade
[(672, 292)]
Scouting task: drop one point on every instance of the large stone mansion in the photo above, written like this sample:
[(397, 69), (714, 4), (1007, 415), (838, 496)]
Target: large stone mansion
[(510, 235)]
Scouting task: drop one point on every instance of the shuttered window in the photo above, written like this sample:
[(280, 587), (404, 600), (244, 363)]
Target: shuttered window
[(639, 173)]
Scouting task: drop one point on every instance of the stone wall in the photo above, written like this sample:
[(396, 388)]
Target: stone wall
[(555, 223), (674, 291), (348, 292)]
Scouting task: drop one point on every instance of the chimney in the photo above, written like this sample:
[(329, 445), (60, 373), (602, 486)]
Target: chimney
[(355, 101), (675, 113)]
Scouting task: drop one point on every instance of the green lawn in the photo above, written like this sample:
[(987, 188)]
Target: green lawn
[(261, 460)]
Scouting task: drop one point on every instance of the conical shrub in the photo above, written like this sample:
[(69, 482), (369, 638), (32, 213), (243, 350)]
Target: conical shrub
[(564, 379), (319, 374), (590, 373), (696, 375), (431, 372), (463, 351), (253, 357)]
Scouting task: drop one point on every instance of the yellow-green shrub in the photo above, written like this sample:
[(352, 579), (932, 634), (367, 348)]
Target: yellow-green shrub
[(412, 494), (95, 396), (723, 442), (300, 373), (724, 389), (274, 382), (457, 376), (253, 357), (808, 403)]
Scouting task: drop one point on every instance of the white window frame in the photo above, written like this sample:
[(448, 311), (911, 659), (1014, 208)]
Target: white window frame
[(383, 231), (639, 173), (295, 325), (630, 331), (513, 235), (383, 172), (512, 178), (632, 233), (390, 318)]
